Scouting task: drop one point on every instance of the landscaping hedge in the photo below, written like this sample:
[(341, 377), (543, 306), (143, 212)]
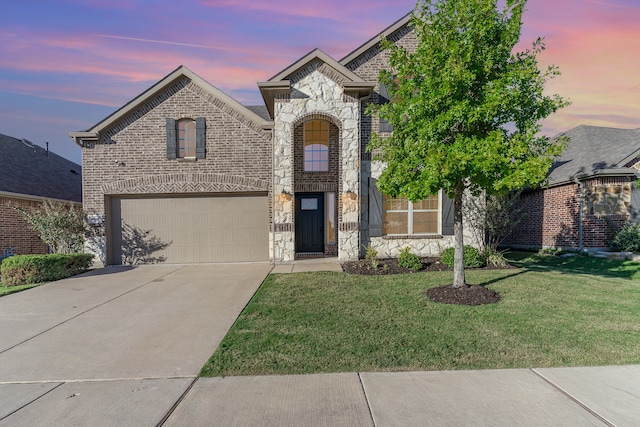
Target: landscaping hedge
[(27, 269)]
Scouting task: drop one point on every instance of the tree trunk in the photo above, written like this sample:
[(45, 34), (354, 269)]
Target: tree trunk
[(458, 240)]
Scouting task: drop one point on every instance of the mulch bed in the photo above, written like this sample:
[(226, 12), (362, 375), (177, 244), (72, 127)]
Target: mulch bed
[(472, 295)]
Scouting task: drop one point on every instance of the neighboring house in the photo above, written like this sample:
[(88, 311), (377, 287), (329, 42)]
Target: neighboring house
[(30, 174), (184, 173), (590, 191)]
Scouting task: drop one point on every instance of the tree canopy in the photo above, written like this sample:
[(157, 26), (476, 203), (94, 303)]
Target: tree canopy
[(465, 107)]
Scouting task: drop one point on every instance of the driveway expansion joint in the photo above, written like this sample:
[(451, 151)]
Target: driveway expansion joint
[(366, 398), (573, 398)]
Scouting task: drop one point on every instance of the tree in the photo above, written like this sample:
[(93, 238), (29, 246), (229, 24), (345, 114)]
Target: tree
[(59, 225), (464, 108)]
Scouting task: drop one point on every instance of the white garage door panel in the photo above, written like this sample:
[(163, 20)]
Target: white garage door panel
[(193, 229)]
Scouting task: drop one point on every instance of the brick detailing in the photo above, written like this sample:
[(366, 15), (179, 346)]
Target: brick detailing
[(348, 226), (280, 227), (185, 183), (315, 187), (15, 231)]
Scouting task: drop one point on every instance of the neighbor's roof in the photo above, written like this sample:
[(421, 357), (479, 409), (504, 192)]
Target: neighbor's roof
[(594, 150), (28, 169)]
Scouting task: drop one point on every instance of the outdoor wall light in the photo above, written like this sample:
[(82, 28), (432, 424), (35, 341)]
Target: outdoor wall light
[(285, 196), (350, 195)]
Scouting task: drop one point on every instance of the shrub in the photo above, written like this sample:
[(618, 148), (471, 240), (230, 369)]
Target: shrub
[(371, 255), (627, 239), (28, 269), (495, 257), (409, 260), (473, 258)]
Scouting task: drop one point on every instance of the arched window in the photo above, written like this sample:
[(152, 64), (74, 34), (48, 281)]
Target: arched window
[(186, 138), (316, 146)]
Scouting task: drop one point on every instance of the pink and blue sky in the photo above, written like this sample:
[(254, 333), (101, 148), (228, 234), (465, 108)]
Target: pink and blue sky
[(67, 64)]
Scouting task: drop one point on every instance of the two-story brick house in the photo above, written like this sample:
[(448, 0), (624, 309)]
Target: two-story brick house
[(185, 173)]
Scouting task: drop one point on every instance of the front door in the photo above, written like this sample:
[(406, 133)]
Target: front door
[(310, 222)]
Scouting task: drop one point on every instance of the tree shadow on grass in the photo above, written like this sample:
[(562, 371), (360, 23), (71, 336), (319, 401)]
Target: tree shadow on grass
[(501, 278), (580, 264), (139, 246)]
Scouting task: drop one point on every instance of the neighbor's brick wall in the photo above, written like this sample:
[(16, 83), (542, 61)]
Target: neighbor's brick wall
[(135, 147), (15, 230), (552, 218)]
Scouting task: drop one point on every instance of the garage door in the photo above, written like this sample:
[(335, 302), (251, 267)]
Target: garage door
[(189, 229)]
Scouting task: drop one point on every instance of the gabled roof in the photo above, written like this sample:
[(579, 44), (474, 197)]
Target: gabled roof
[(596, 151), (280, 84), (92, 134), (30, 170), (375, 40)]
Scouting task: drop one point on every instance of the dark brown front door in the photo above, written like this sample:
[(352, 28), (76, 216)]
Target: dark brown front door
[(310, 222)]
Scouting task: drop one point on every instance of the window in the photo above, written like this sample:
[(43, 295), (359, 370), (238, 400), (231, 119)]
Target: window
[(404, 217), (316, 146), (186, 138), (330, 218), (186, 144)]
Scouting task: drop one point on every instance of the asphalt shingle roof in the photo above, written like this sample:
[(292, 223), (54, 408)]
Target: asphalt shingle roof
[(260, 110), (594, 148), (28, 169)]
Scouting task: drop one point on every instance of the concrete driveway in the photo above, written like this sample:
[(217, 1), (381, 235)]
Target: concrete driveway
[(89, 349)]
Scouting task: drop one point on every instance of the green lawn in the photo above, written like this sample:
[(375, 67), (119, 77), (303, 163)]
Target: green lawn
[(554, 312), (6, 290)]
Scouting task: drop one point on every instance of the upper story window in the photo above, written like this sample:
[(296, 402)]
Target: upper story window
[(186, 143), (186, 138), (401, 216), (316, 146)]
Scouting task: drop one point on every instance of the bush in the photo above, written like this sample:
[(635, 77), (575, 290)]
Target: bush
[(495, 257), (409, 260), (28, 269), (473, 258), (371, 255), (627, 239)]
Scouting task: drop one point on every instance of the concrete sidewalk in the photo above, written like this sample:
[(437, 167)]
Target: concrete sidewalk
[(597, 396), (311, 264)]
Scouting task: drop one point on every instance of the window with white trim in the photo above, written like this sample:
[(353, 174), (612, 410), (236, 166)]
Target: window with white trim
[(403, 217)]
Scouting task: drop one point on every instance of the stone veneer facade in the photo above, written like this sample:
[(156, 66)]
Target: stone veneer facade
[(316, 92)]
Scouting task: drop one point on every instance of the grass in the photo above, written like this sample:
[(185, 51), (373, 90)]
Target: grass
[(554, 312), (6, 290)]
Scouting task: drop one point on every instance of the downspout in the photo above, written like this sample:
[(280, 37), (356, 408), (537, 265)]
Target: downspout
[(581, 215), (273, 194)]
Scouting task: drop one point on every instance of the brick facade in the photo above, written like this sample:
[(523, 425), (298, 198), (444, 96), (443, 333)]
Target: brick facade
[(131, 156), (552, 216), (15, 231), (127, 155)]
